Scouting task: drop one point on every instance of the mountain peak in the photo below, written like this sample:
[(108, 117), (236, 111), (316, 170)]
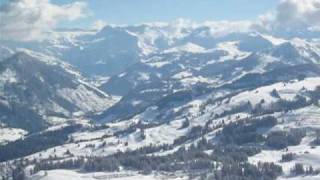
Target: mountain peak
[(188, 47)]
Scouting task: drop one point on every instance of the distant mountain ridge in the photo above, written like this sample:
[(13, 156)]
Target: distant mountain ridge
[(111, 50)]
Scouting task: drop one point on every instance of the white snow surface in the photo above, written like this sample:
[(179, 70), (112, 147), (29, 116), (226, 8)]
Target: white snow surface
[(74, 175), (11, 134), (189, 47), (7, 76), (232, 50)]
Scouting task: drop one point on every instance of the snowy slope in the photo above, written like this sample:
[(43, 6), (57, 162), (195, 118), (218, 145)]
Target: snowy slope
[(199, 112), (46, 91)]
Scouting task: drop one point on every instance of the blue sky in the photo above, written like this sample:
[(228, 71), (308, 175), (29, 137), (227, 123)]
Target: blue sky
[(138, 11)]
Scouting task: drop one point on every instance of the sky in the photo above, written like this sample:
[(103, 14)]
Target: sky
[(141, 11), (31, 19)]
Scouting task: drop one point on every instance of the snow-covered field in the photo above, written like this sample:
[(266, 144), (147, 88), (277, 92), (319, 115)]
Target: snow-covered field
[(305, 153), (74, 175), (11, 134), (300, 178)]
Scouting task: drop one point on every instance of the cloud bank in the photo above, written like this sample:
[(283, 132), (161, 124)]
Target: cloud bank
[(299, 13), (292, 15), (31, 19), (98, 25)]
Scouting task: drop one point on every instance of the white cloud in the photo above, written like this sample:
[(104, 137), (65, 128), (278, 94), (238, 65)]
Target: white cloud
[(31, 19), (292, 14), (299, 12), (222, 28), (99, 24)]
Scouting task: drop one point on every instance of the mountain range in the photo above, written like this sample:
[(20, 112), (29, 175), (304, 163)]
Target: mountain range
[(206, 96)]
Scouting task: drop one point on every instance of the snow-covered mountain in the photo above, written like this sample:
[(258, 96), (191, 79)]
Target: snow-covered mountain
[(191, 67), (38, 91), (199, 100)]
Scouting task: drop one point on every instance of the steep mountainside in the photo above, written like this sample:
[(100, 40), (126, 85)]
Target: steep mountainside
[(38, 90)]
